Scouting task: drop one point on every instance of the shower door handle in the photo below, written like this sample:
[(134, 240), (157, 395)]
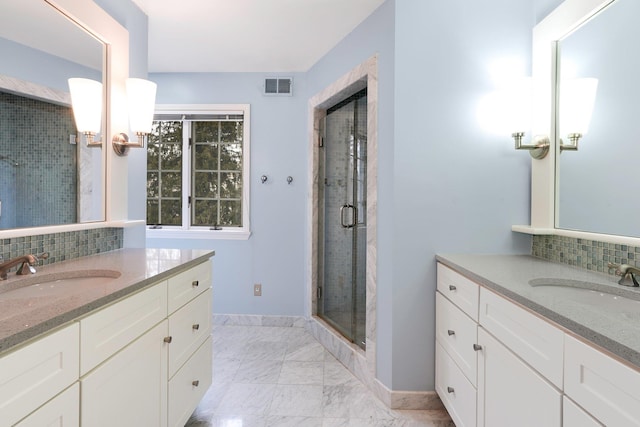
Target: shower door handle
[(354, 216)]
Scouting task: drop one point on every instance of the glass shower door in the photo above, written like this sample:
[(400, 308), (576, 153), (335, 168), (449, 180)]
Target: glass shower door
[(343, 184)]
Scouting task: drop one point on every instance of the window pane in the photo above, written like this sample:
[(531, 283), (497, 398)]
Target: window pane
[(205, 184), (171, 212), (206, 156), (171, 185), (152, 185), (231, 157), (230, 185), (171, 157), (206, 131), (170, 132), (152, 212), (230, 131), (152, 156), (205, 212), (231, 213)]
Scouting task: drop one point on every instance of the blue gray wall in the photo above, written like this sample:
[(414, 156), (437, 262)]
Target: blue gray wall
[(274, 254), (444, 185)]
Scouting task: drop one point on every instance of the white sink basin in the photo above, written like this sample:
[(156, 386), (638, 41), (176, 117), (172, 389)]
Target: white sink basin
[(607, 298)]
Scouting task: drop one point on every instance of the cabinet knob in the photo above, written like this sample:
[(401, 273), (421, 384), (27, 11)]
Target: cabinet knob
[(196, 326), (195, 283), (450, 332), (195, 383), (450, 390), (452, 288), (477, 347), (168, 339)]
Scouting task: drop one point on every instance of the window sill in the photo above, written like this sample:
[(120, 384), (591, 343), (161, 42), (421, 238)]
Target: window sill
[(169, 233)]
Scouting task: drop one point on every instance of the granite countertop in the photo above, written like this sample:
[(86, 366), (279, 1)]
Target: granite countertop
[(30, 307), (598, 318)]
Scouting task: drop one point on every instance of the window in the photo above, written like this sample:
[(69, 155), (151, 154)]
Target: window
[(198, 172)]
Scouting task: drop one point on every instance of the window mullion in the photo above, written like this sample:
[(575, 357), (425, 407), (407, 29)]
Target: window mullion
[(186, 174)]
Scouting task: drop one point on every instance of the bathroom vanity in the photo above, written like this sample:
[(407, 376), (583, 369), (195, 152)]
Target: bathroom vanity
[(523, 341), (121, 338)]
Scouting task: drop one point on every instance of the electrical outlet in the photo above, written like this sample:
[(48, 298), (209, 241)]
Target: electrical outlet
[(257, 290)]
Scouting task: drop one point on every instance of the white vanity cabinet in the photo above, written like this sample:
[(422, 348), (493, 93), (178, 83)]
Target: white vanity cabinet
[(143, 360), (456, 333), (530, 372)]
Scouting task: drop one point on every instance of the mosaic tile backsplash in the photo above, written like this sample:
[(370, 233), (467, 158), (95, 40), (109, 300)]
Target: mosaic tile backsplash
[(64, 246), (37, 164), (587, 254)]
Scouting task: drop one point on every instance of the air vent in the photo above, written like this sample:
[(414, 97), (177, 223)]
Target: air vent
[(278, 86)]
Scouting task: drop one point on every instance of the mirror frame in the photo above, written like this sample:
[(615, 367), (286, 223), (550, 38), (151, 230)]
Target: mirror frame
[(115, 37), (560, 22)]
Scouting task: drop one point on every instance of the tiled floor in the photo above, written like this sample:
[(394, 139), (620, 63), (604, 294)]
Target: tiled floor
[(282, 377)]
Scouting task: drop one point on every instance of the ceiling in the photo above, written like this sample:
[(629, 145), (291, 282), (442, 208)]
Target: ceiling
[(247, 35)]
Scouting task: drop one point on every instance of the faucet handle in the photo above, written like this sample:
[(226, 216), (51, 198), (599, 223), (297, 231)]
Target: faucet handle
[(618, 271)]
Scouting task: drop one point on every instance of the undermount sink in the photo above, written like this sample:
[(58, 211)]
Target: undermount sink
[(48, 285), (607, 298)]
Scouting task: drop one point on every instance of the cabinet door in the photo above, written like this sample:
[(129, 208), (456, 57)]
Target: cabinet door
[(129, 389), (510, 393), (61, 411)]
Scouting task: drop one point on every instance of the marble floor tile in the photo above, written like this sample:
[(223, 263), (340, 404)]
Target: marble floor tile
[(270, 376)]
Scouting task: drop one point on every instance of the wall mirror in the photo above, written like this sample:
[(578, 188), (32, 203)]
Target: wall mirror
[(46, 178), (596, 187)]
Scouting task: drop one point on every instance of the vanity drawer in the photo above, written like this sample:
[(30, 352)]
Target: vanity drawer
[(456, 392), (110, 329), (460, 290), (190, 384), (32, 375), (607, 388), (574, 416), (187, 285), (188, 328), (457, 333), (534, 340), (63, 410)]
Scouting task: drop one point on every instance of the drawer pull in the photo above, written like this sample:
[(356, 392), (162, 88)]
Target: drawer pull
[(195, 283), (168, 339), (477, 347), (196, 326), (195, 383), (450, 390), (450, 332), (452, 288)]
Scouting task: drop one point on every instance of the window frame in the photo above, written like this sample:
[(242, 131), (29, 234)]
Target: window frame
[(187, 231)]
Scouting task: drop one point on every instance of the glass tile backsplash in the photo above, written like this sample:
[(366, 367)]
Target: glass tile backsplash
[(587, 254), (37, 163), (63, 246)]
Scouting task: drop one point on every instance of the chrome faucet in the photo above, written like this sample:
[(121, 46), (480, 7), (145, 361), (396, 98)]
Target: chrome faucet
[(27, 265), (627, 274)]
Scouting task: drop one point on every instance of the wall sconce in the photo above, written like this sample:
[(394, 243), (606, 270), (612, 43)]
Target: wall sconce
[(141, 99), (86, 101), (519, 109), (577, 98)]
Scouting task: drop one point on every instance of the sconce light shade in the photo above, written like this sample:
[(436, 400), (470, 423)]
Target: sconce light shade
[(86, 100), (141, 96), (577, 98), (519, 113)]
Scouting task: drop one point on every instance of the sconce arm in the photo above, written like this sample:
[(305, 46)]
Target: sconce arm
[(538, 150)]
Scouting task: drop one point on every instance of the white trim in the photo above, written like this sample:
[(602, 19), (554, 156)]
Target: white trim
[(36, 231), (176, 233), (559, 23), (608, 238), (185, 231)]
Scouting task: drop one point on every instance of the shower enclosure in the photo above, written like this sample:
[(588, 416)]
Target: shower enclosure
[(342, 209)]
